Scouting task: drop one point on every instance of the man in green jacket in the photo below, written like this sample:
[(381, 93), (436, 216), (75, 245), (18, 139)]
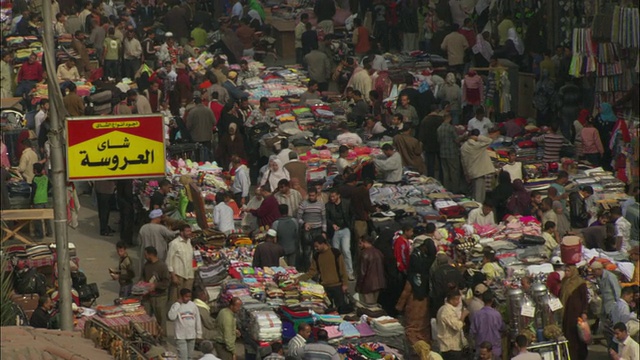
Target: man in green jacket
[(226, 330)]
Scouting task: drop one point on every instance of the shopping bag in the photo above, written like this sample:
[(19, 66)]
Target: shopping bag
[(584, 332)]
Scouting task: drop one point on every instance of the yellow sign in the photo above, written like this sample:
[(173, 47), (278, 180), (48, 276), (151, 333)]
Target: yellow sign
[(117, 154)]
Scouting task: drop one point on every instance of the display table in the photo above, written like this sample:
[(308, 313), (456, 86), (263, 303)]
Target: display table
[(40, 262), (121, 324), (7, 103), (22, 217), (560, 348)]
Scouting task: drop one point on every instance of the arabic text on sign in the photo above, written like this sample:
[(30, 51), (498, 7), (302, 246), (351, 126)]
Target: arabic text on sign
[(107, 145), (116, 125), (114, 162)]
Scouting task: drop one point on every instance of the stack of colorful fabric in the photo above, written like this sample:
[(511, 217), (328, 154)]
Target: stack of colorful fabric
[(38, 251), (311, 293), (109, 312), (366, 351)]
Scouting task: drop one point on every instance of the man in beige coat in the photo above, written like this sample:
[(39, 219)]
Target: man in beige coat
[(142, 103), (476, 161), (455, 44)]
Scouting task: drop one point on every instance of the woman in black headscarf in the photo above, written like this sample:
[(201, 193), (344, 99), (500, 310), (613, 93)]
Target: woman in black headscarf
[(501, 194)]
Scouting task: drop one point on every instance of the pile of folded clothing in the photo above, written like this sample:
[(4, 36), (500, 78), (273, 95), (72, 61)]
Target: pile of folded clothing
[(38, 252), (132, 307), (295, 315), (327, 319), (213, 274), (265, 326), (387, 326), (367, 351), (312, 294), (109, 312), (141, 288)]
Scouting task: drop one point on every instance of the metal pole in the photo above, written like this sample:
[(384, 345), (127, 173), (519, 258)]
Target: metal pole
[(58, 176)]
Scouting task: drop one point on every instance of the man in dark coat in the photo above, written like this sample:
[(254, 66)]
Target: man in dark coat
[(428, 135), (371, 273), (415, 297)]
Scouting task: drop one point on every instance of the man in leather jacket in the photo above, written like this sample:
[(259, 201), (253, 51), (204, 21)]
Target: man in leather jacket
[(579, 216)]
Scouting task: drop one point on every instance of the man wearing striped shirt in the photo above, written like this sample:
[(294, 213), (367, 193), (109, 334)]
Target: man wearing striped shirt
[(552, 143), (296, 345), (312, 217), (320, 350)]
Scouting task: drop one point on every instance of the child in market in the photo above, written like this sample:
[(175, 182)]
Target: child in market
[(40, 187), (551, 238), (228, 198), (125, 273)]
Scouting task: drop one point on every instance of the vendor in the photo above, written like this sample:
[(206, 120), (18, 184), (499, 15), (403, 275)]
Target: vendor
[(226, 330), (347, 137), (579, 215), (328, 264), (551, 237), (389, 167), (490, 266), (373, 129), (360, 108), (513, 167), (634, 257), (260, 115), (482, 215), (68, 71), (396, 125), (41, 317), (311, 93)]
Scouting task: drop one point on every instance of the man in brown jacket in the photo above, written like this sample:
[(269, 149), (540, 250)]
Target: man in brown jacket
[(200, 123), (328, 265), (81, 49), (410, 149), (73, 102), (371, 273), (297, 169)]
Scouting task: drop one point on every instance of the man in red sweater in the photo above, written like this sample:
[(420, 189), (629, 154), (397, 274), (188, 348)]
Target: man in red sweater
[(268, 212), (30, 73), (402, 248)]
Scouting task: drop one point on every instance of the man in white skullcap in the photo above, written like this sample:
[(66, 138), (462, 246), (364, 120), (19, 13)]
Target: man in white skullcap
[(268, 253), (155, 234)]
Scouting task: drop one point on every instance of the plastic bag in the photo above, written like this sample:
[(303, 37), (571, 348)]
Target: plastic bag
[(584, 332)]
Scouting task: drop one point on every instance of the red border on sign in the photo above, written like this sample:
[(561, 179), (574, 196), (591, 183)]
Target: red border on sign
[(82, 128)]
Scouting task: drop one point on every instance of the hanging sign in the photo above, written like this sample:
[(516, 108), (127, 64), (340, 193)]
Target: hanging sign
[(115, 147)]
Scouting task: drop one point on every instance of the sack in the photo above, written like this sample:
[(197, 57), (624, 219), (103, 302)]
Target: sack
[(347, 307), (30, 281), (584, 332), (78, 279), (88, 292)]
